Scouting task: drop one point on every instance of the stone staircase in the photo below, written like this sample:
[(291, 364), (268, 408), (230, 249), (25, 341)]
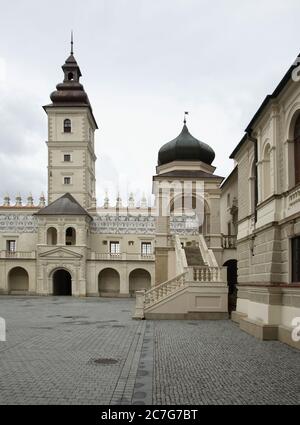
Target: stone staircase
[(199, 282), (194, 256)]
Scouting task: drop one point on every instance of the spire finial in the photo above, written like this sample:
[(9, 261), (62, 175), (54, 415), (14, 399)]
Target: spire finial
[(72, 42), (184, 119)]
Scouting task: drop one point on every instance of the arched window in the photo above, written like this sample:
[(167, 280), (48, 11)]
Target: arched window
[(297, 150), (70, 76), (51, 236), (70, 236), (267, 172), (67, 126)]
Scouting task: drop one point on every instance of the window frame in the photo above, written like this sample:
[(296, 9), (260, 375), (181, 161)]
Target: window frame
[(115, 244), (70, 180), (146, 245), (67, 125), (10, 242), (68, 155)]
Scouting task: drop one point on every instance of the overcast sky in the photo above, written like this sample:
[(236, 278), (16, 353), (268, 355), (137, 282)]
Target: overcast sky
[(144, 62)]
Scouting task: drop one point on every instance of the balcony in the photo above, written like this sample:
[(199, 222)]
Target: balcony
[(228, 241), (122, 256), (24, 255), (294, 197)]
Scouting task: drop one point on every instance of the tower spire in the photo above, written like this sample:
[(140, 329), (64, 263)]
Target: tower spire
[(184, 119), (72, 42)]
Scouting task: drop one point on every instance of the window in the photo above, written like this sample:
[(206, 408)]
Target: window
[(70, 236), (11, 246), (67, 157), (114, 247), (146, 248), (297, 150), (67, 126), (67, 180), (296, 260), (51, 236), (70, 76)]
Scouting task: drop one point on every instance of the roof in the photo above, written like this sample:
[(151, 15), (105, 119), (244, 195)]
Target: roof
[(65, 205), (185, 147), (237, 148), (268, 98), (226, 180), (189, 174)]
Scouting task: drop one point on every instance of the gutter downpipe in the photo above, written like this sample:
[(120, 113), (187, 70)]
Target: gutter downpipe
[(254, 140)]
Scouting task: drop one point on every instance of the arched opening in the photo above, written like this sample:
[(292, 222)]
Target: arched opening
[(267, 172), (67, 125), (62, 282), (70, 76), (297, 150), (232, 282), (139, 279), (109, 282), (51, 236), (70, 236), (18, 280)]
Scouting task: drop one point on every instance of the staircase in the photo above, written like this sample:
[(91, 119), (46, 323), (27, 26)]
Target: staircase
[(194, 256), (199, 287)]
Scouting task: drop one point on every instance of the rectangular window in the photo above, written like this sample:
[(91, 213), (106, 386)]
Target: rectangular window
[(67, 180), (146, 248), (296, 260), (114, 247), (11, 246), (67, 157)]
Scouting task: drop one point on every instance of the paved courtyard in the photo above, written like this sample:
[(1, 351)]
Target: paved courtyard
[(62, 350)]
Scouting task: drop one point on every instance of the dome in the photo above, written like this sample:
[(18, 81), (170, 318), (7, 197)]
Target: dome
[(185, 148), (70, 91)]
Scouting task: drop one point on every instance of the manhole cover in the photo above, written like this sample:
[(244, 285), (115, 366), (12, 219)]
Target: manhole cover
[(105, 361)]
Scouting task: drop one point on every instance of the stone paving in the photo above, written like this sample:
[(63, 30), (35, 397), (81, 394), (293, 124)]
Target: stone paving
[(64, 350)]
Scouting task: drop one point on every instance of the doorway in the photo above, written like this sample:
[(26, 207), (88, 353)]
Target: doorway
[(62, 283)]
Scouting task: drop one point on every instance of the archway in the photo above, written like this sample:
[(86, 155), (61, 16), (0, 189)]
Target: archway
[(18, 280), (70, 236), (232, 282), (109, 282), (139, 279), (51, 236), (62, 282)]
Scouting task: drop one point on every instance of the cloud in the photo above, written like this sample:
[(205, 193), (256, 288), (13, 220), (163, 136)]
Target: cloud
[(143, 64)]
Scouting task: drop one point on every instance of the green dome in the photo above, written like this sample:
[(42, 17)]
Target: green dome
[(185, 148)]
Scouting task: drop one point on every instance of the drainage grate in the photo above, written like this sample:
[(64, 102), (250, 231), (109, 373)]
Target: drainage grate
[(105, 361)]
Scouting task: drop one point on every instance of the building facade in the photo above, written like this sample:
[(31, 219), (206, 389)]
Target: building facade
[(67, 245), (268, 163), (184, 256)]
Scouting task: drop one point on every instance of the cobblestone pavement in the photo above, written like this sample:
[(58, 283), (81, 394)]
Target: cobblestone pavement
[(53, 342)]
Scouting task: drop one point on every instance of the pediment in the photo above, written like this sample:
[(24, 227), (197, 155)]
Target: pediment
[(60, 253)]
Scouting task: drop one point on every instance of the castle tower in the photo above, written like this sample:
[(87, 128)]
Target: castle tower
[(71, 127)]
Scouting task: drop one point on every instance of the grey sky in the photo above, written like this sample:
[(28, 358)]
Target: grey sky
[(143, 62)]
